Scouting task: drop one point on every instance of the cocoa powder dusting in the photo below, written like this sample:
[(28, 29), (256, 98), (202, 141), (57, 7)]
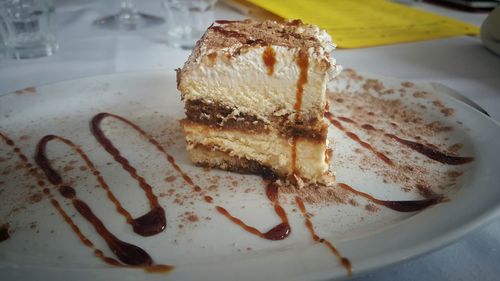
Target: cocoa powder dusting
[(170, 178), (373, 84), (370, 116), (188, 218), (420, 94), (372, 208), (193, 218), (407, 84), (35, 198), (314, 194)]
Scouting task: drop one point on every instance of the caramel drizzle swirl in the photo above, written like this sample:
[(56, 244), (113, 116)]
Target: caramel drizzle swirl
[(432, 153), (400, 206), (278, 232), (428, 150), (303, 63), (345, 262), (108, 145), (149, 224), (123, 250), (355, 138), (127, 253)]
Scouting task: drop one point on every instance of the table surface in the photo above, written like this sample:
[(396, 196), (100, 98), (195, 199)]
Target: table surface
[(461, 63)]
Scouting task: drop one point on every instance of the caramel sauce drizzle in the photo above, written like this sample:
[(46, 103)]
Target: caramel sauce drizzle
[(69, 192), (126, 253), (303, 63), (429, 150), (155, 219), (346, 119), (98, 253), (90, 165), (269, 57), (400, 206), (149, 224), (103, 140), (345, 262), (281, 231), (4, 233), (354, 137), (278, 232), (368, 127)]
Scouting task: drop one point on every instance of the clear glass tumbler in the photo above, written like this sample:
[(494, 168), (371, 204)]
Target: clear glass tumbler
[(187, 20), (27, 28)]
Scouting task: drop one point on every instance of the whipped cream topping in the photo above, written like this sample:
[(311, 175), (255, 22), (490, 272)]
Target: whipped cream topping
[(227, 67)]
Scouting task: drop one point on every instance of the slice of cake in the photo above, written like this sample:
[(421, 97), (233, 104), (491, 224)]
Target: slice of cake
[(254, 96)]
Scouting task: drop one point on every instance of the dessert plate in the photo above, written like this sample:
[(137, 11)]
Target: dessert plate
[(371, 116)]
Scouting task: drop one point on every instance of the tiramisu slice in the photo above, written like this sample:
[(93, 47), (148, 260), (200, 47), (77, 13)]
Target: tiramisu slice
[(254, 96)]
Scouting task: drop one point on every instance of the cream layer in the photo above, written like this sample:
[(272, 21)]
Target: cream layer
[(267, 148), (242, 82)]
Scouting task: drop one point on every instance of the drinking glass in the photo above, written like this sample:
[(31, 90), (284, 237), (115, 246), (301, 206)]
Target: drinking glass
[(187, 20), (128, 18), (27, 28)]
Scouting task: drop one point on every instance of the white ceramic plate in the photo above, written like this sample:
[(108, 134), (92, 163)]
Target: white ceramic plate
[(208, 246)]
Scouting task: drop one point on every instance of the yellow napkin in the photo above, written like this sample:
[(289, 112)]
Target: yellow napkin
[(357, 24)]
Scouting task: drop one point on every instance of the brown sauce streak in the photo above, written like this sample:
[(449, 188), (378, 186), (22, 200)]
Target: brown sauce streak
[(431, 152), (400, 206), (66, 189), (149, 224), (7, 140), (155, 218), (368, 127), (269, 57), (4, 232), (99, 117), (126, 253), (346, 263), (81, 236), (355, 138), (22, 157), (303, 63), (4, 229), (278, 232), (345, 119)]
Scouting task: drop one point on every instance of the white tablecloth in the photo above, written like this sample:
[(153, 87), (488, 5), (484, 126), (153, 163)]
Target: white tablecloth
[(461, 63)]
